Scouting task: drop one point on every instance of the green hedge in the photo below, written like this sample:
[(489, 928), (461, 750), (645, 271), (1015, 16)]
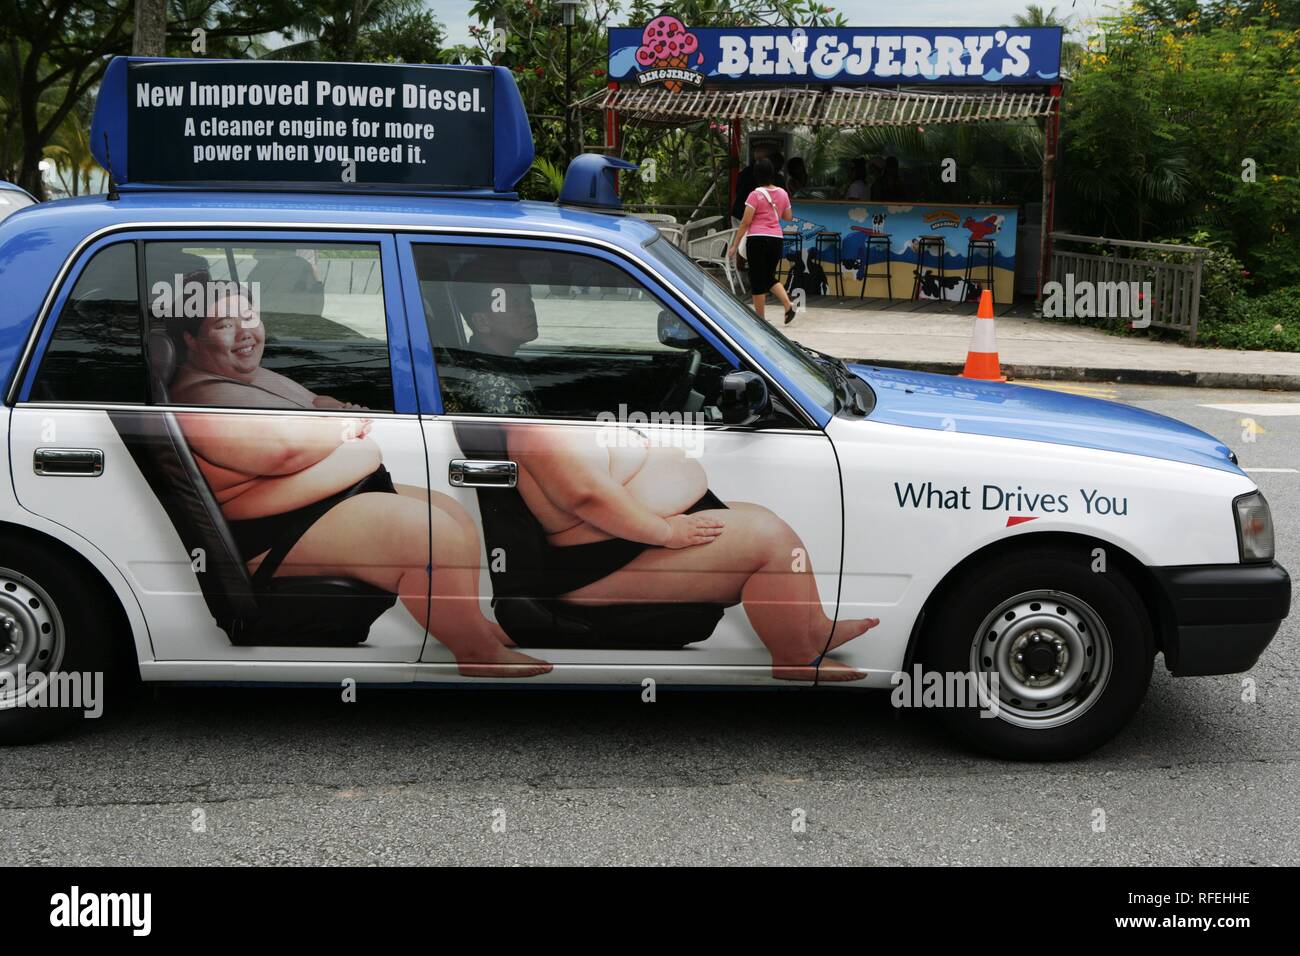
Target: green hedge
[(1269, 321)]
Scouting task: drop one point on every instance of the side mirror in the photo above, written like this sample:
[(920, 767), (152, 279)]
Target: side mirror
[(744, 398), (676, 334)]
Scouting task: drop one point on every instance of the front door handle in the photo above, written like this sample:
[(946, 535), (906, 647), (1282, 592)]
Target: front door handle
[(468, 473), (73, 462)]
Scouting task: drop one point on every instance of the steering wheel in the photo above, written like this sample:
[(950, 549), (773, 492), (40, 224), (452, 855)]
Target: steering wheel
[(675, 399)]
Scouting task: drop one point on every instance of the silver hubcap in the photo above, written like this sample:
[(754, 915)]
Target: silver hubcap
[(31, 635), (1051, 654)]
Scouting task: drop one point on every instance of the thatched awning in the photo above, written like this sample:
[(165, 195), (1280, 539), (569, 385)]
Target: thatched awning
[(836, 106)]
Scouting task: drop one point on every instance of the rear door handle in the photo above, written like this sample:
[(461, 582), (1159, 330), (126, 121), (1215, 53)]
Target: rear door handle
[(466, 473), (71, 462)]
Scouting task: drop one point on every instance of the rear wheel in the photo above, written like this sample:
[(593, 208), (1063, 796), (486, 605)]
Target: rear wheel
[(1066, 651), (53, 625)]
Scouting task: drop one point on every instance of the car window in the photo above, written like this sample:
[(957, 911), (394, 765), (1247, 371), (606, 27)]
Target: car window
[(536, 333), (759, 334), (267, 325), (96, 353)]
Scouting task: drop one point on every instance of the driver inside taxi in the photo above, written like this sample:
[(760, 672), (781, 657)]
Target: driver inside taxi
[(630, 523), (316, 485)]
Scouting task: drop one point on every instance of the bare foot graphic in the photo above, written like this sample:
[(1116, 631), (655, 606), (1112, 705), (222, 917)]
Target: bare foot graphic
[(834, 670), (500, 635), (506, 663), (794, 672), (846, 631)]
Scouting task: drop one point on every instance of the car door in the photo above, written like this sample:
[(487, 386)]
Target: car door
[(230, 418), (714, 553)]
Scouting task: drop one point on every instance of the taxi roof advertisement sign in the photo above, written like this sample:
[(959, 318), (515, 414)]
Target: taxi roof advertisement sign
[(666, 51), (306, 125)]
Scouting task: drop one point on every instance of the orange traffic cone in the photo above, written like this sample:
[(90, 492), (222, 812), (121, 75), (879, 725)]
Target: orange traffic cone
[(982, 357)]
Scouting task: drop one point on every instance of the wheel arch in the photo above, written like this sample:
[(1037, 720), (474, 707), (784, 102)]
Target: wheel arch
[(1154, 600), (122, 624)]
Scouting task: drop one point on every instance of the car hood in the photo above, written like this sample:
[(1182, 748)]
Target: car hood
[(950, 403)]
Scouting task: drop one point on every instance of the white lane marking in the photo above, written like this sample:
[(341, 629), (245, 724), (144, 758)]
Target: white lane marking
[(1261, 408), (1272, 471)]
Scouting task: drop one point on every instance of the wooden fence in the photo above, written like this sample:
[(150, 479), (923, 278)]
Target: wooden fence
[(1173, 272)]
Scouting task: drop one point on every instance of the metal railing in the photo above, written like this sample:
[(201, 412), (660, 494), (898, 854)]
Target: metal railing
[(1174, 273)]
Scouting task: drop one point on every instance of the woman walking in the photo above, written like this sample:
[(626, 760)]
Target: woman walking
[(765, 208)]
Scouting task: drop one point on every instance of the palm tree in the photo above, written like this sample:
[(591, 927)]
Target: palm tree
[(1036, 16), (69, 150)]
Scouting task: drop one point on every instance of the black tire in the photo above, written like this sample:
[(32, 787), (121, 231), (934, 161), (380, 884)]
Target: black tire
[(79, 637), (1047, 596)]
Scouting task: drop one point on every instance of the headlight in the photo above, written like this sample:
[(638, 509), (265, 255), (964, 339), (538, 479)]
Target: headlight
[(1254, 527)]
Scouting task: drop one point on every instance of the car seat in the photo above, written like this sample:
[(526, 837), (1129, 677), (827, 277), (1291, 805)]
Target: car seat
[(527, 607), (290, 611)]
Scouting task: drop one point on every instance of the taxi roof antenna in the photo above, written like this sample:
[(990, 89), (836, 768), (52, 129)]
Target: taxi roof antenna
[(108, 164)]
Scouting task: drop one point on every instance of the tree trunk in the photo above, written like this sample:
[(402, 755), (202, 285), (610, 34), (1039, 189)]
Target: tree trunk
[(150, 28)]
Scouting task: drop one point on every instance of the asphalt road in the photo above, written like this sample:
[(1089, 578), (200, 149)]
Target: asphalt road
[(211, 775)]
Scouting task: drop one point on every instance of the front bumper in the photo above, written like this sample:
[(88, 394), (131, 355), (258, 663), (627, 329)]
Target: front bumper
[(1220, 617)]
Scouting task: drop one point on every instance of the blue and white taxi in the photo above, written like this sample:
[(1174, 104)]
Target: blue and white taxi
[(311, 396)]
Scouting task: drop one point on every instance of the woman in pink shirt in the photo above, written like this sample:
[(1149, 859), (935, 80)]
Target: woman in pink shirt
[(764, 209)]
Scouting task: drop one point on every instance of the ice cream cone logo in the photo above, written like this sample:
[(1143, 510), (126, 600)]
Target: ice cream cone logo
[(665, 54)]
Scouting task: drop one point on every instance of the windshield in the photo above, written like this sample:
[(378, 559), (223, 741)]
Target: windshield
[(813, 379)]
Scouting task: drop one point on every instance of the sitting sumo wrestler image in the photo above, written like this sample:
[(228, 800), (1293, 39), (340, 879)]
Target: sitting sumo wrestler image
[(627, 522), (317, 485)]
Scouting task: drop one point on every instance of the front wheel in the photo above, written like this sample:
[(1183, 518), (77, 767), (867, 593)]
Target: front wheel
[(1064, 652)]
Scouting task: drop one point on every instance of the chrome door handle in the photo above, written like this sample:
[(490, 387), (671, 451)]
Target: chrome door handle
[(467, 473), (73, 462)]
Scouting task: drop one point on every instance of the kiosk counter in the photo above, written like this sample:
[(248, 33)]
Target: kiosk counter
[(876, 239)]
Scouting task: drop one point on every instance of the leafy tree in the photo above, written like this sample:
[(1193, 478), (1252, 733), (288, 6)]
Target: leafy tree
[(1191, 121), (53, 53), (363, 31), (69, 150), (527, 36)]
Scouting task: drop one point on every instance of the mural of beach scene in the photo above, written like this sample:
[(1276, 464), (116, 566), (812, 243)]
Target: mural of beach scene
[(904, 224)]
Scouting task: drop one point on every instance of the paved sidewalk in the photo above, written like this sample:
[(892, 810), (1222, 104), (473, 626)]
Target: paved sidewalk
[(1033, 348)]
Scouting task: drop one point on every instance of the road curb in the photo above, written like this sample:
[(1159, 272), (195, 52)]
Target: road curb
[(1130, 376)]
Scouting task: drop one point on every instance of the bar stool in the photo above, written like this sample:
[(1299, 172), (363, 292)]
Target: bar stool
[(936, 246), (888, 274), (987, 246), (791, 249), (830, 242)]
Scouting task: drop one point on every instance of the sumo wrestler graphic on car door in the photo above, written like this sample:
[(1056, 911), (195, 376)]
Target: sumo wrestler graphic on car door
[(259, 485), (621, 522)]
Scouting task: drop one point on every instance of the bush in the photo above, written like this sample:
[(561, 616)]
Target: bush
[(1268, 322), (1223, 277)]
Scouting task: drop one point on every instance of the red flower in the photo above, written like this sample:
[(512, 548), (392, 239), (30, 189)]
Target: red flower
[(597, 72), (539, 71)]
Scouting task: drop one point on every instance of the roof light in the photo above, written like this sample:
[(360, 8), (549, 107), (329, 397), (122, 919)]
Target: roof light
[(590, 181)]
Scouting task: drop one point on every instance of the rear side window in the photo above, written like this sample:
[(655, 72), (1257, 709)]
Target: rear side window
[(96, 353), (267, 325)]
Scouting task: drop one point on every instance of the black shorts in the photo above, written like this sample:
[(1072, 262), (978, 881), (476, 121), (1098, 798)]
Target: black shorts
[(279, 533), (763, 254), (577, 565)]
